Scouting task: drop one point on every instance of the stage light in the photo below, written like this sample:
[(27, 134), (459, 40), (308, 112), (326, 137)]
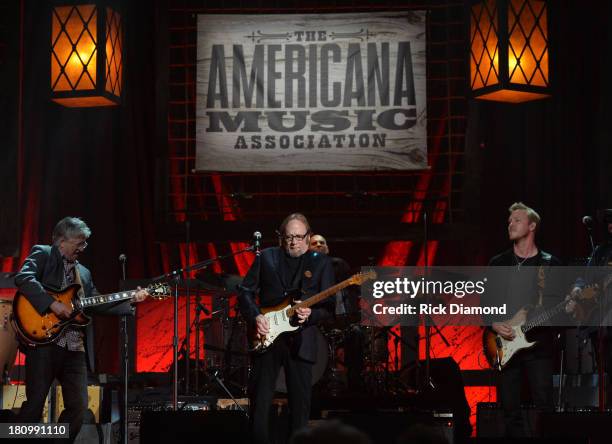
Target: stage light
[(86, 55), (509, 50)]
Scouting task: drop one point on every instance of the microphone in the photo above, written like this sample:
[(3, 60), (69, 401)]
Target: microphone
[(123, 260), (587, 221), (257, 242)]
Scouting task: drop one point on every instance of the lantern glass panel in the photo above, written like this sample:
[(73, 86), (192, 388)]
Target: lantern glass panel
[(74, 53), (114, 49), (484, 63), (528, 46)]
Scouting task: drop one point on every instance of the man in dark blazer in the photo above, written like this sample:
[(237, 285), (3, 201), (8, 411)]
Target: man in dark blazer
[(67, 359), (274, 273)]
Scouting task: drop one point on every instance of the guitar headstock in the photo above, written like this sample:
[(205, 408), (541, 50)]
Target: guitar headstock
[(159, 291), (360, 278)]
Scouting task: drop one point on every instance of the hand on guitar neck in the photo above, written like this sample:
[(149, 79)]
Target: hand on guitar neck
[(141, 295), (62, 311), (302, 313)]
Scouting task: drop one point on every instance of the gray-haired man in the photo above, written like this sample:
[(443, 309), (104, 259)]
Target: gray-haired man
[(56, 266)]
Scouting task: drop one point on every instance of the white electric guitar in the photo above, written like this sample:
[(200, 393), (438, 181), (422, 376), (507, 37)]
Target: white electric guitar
[(281, 316)]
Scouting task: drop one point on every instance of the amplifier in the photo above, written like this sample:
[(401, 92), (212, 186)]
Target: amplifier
[(163, 405), (94, 399), (12, 396)]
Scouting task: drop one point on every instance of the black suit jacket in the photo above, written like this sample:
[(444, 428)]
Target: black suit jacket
[(264, 280), (44, 266)]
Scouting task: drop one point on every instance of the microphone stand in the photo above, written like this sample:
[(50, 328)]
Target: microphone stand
[(187, 312), (590, 234), (124, 326), (428, 321), (199, 308), (176, 275)]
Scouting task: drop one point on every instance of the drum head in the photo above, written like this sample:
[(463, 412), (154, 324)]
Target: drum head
[(318, 369)]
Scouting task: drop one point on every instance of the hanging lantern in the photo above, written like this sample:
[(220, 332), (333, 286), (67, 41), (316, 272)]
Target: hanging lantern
[(509, 52), (86, 55)]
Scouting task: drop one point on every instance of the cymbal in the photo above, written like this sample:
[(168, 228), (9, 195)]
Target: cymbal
[(224, 281), (196, 284)]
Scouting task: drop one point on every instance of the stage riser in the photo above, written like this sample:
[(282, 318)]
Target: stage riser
[(592, 427), (387, 427), (219, 427), (232, 427)]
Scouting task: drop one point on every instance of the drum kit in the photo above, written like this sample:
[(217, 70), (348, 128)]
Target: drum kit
[(220, 339), (358, 356)]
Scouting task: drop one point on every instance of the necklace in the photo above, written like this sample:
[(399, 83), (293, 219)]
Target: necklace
[(519, 263)]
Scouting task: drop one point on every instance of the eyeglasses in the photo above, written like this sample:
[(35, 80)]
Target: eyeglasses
[(80, 245), (294, 237)]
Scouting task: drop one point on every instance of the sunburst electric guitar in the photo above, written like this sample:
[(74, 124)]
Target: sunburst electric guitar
[(282, 316), (499, 351), (35, 329)]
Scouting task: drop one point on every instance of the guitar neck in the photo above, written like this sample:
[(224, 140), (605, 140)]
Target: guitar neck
[(543, 317), (320, 296), (107, 298), (587, 293)]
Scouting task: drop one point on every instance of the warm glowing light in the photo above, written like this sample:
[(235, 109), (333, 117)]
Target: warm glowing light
[(86, 59), (516, 30)]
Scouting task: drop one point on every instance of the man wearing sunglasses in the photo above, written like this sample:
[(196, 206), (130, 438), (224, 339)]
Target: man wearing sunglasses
[(276, 272), (69, 357)]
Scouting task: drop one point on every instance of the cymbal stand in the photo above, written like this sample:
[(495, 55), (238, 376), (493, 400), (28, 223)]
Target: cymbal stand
[(197, 342), (176, 276), (215, 375)]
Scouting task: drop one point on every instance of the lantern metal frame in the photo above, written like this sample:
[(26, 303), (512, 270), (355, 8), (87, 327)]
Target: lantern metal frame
[(99, 95), (505, 89)]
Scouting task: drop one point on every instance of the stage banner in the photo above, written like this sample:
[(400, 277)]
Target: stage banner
[(314, 92)]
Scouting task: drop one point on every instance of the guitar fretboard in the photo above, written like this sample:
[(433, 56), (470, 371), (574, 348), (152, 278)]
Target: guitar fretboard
[(320, 296), (539, 320), (106, 298)]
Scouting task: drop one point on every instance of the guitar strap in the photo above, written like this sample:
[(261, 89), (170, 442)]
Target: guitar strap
[(77, 279), (544, 262)]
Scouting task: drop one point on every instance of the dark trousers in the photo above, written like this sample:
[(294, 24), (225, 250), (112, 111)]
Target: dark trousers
[(538, 371), (262, 385), (43, 365)]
